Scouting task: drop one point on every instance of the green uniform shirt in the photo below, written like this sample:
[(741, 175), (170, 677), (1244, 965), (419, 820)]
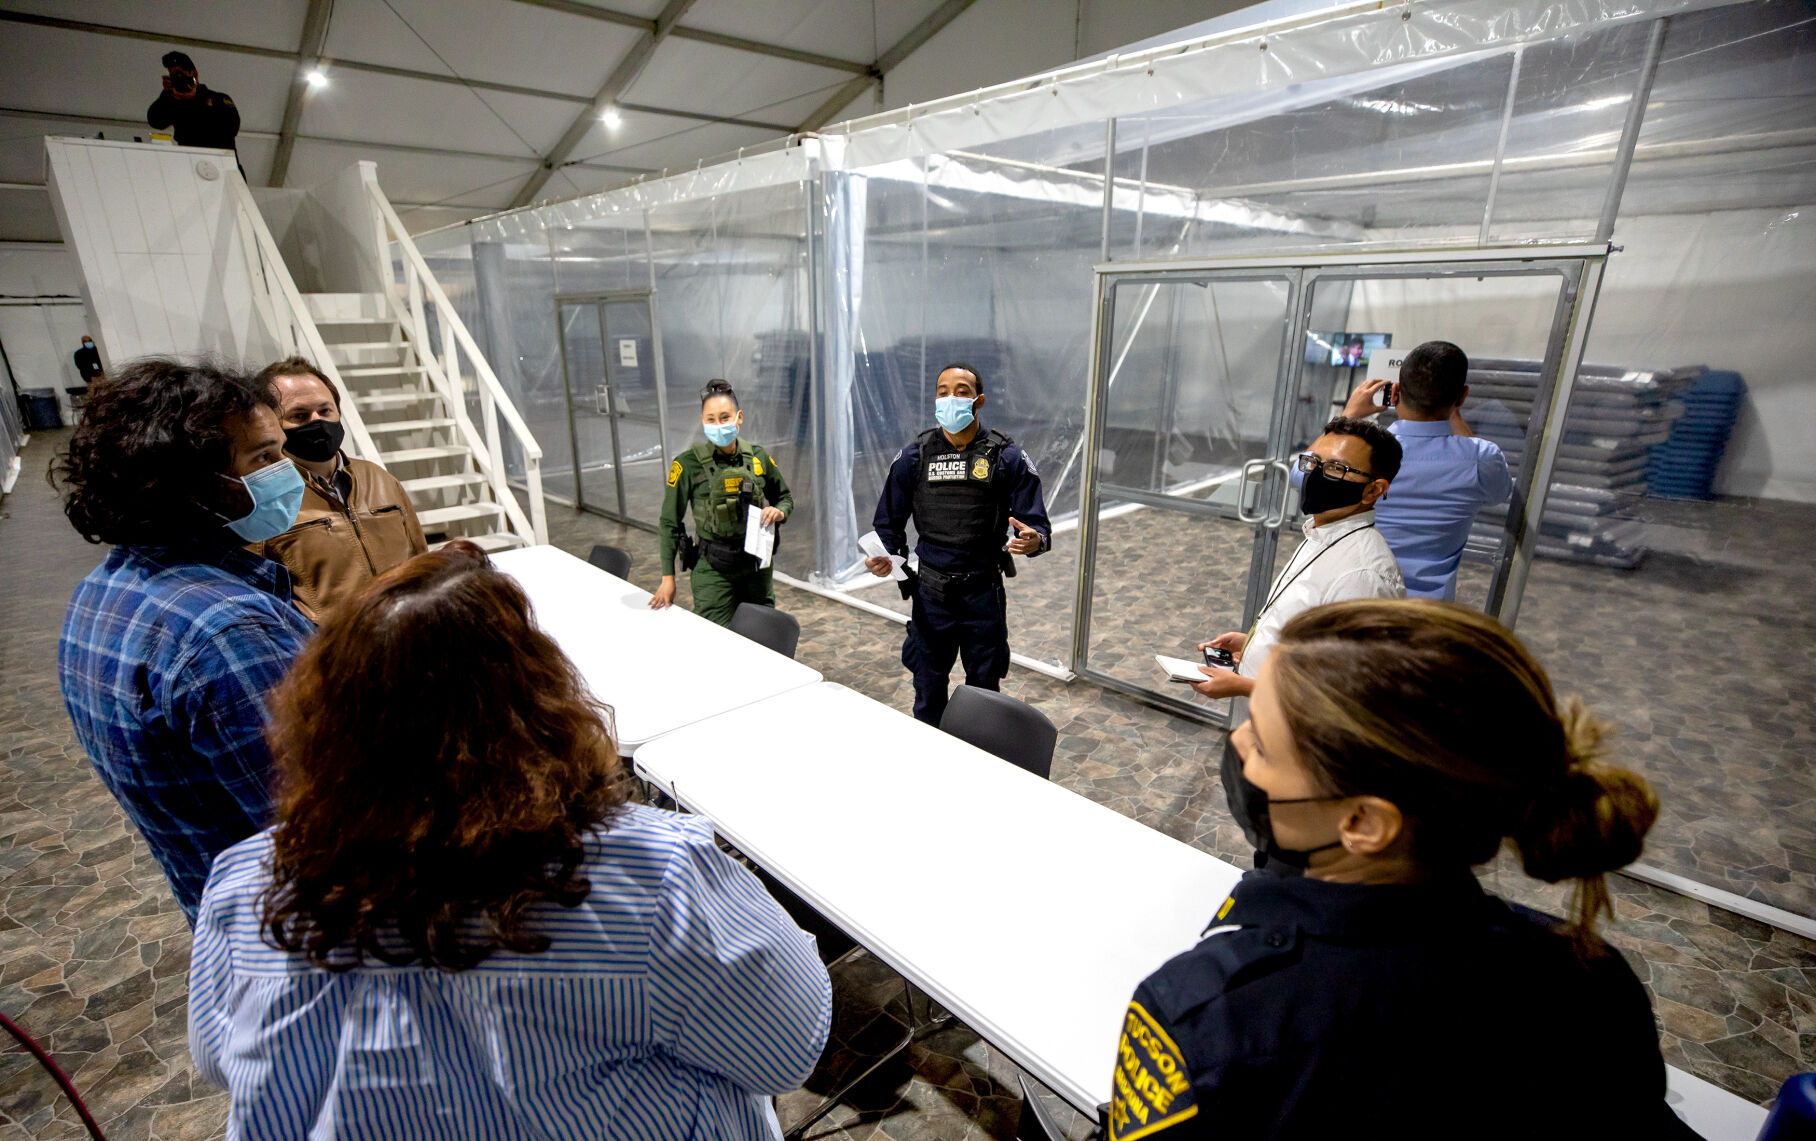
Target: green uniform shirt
[(689, 481)]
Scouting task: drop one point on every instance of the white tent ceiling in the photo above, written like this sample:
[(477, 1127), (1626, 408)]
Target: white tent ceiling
[(460, 102)]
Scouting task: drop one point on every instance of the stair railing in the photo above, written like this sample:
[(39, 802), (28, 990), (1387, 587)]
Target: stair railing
[(286, 318), (420, 292)]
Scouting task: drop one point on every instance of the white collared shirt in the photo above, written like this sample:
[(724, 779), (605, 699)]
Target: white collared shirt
[(1342, 560)]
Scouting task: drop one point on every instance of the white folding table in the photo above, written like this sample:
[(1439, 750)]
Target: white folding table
[(1028, 911), (658, 669)]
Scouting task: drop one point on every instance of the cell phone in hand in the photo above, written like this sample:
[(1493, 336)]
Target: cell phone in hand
[(1220, 659)]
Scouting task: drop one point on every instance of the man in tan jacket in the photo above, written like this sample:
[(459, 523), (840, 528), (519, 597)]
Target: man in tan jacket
[(356, 521)]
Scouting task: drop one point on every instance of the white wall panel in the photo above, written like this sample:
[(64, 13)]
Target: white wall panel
[(163, 266)]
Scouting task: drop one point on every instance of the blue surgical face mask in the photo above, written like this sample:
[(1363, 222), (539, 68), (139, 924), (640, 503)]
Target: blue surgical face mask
[(277, 495), (721, 434), (953, 412)]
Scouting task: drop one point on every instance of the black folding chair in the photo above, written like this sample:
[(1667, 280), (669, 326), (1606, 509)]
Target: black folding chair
[(611, 560), (767, 626), (1003, 727)]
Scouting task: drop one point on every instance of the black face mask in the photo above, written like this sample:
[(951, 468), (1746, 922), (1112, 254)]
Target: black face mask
[(1319, 493), (316, 441), (1249, 803)]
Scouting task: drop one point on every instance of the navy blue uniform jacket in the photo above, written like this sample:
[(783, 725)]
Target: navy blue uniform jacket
[(1324, 1010), (892, 510)]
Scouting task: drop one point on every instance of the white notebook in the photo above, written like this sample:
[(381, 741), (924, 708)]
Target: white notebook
[(1180, 669)]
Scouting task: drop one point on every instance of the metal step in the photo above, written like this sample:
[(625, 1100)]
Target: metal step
[(410, 425), (412, 455), (459, 513), (491, 541), (383, 370), (443, 482), (384, 399), (354, 321), (367, 346)]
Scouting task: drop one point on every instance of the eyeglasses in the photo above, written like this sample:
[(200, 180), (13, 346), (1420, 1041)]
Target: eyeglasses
[(1309, 462)]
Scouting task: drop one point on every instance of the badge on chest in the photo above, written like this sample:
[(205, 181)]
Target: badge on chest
[(958, 468)]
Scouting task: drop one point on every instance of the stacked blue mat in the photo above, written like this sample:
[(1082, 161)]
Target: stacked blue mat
[(1683, 467)]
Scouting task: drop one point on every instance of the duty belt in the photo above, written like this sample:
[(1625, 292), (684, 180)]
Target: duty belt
[(940, 583)]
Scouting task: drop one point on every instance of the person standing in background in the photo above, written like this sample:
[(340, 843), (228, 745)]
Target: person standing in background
[(356, 521), (1448, 473), (171, 644), (88, 362), (976, 502), (197, 115), (722, 479)]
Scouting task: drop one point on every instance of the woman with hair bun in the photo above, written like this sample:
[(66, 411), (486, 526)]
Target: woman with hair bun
[(1362, 983), (722, 479)]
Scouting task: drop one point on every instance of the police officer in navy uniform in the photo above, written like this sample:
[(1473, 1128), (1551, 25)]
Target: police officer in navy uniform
[(1391, 746), (975, 500)]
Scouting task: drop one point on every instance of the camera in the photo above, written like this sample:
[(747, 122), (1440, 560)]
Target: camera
[(1221, 659)]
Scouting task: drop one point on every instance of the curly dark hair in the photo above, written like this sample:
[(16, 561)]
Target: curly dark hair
[(438, 763), (150, 437)]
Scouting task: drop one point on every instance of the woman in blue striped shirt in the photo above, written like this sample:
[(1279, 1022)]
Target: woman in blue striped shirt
[(459, 928)]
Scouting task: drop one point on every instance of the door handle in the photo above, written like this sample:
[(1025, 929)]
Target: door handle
[(1242, 512), (1286, 490)]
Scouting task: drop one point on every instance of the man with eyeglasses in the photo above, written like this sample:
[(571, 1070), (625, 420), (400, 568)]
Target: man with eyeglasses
[(1346, 471), (1341, 477)]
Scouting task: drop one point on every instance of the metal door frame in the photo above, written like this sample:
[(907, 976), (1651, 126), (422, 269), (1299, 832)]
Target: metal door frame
[(599, 300), (1580, 268)]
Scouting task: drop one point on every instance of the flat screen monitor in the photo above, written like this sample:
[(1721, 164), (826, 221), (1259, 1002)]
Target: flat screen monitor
[(1344, 350)]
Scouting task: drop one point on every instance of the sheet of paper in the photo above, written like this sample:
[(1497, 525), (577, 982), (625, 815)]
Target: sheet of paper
[(758, 539), (872, 545), (1180, 669)]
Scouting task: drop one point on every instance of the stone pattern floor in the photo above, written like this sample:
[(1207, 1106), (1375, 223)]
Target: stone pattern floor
[(93, 952), (1702, 659)]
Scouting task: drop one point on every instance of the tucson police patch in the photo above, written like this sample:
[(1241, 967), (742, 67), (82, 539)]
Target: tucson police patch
[(1153, 1091), (674, 473)]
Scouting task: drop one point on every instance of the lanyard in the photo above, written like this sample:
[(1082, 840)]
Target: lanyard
[(1308, 566)]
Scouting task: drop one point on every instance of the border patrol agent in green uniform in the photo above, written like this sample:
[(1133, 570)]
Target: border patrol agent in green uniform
[(722, 479)]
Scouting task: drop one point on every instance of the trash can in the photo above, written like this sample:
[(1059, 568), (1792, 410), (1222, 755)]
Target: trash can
[(39, 407)]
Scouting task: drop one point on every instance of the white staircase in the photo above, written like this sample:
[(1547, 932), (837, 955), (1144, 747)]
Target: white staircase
[(416, 430)]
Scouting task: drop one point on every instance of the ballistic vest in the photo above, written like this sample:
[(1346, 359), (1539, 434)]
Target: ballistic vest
[(958, 501), (725, 487)]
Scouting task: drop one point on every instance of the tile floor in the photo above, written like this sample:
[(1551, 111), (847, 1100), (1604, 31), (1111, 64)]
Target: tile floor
[(93, 951)]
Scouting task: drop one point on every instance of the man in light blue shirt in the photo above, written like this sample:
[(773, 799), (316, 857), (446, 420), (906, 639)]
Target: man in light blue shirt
[(1448, 473)]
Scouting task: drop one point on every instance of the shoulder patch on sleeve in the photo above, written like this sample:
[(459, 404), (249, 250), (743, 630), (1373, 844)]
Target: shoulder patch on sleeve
[(1153, 1091), (1028, 462), (674, 473)]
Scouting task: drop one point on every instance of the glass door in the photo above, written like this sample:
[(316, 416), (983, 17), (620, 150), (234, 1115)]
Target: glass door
[(612, 367), (1208, 381), (1185, 469)]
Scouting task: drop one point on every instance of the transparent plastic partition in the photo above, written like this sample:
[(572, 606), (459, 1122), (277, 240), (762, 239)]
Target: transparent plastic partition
[(982, 256), (733, 300), (1398, 154), (514, 283), (1677, 599)]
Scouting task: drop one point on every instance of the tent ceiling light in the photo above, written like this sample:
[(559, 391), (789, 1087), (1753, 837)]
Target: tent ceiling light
[(317, 79), (611, 118)]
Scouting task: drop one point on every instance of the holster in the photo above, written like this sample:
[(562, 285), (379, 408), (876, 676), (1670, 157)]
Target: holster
[(688, 550)]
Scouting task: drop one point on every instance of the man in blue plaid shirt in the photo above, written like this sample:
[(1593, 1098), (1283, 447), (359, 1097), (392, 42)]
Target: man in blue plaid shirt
[(172, 643)]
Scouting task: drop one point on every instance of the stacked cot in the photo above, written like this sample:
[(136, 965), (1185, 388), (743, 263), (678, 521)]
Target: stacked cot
[(1616, 419)]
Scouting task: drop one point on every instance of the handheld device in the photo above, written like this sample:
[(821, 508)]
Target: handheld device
[(1220, 659)]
